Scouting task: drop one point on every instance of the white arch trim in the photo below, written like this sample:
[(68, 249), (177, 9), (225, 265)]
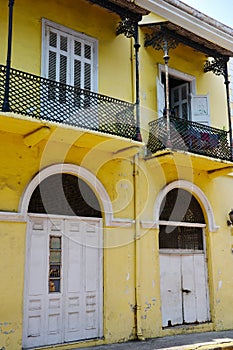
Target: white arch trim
[(189, 186), (72, 169)]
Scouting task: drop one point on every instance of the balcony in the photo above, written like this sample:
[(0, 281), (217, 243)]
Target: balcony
[(47, 100), (190, 137)]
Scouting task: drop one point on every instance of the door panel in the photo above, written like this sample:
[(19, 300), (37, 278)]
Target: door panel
[(36, 285), (92, 261), (74, 280), (202, 295), (188, 288), (184, 289), (179, 101), (73, 309), (170, 283)]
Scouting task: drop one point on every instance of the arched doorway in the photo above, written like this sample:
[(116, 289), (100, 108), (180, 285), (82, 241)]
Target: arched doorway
[(63, 274), (183, 270)]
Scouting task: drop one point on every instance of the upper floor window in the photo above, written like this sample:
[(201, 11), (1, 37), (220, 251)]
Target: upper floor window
[(68, 57)]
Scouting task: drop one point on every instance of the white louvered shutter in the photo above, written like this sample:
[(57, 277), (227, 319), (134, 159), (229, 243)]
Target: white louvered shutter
[(200, 110), (70, 60), (160, 98)]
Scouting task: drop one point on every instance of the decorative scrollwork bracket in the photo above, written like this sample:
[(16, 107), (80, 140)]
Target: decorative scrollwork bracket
[(127, 26), (161, 40), (217, 65)]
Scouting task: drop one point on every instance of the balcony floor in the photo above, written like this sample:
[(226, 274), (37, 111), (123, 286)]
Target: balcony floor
[(196, 162), (79, 137)]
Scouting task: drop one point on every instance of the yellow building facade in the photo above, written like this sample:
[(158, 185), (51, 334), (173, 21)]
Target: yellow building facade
[(113, 214)]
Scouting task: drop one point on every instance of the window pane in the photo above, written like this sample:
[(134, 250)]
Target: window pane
[(87, 76), (52, 75), (77, 73), (52, 65), (63, 68), (87, 51), (55, 256), (63, 75), (184, 111), (184, 92), (54, 286), (176, 95), (172, 237), (55, 242), (54, 271), (63, 43), (77, 48), (53, 39)]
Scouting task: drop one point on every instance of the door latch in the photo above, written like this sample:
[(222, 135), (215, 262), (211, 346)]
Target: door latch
[(187, 291)]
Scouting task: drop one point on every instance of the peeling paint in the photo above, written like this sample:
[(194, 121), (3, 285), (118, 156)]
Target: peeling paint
[(219, 285), (6, 328), (148, 306)]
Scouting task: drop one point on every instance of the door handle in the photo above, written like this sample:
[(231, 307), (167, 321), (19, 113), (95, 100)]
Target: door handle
[(187, 291)]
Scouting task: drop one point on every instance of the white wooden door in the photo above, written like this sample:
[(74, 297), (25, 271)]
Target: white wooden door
[(63, 280), (170, 285), (179, 101), (184, 289)]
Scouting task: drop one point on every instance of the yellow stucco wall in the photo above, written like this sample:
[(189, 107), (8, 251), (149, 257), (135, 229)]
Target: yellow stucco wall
[(119, 254), (20, 163), (12, 282)]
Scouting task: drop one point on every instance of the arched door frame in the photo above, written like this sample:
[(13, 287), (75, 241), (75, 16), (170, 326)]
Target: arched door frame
[(180, 260), (61, 220), (197, 192), (76, 170)]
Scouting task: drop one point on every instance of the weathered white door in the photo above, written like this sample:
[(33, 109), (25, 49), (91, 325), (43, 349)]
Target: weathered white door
[(184, 289), (63, 280)]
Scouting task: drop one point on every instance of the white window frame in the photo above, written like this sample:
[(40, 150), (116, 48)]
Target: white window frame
[(180, 75), (47, 23)]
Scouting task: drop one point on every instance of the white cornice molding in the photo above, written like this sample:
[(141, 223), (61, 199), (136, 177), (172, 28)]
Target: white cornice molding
[(193, 20), (13, 217)]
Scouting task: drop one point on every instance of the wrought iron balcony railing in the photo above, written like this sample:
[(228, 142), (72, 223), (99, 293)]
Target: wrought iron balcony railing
[(48, 100), (189, 136)]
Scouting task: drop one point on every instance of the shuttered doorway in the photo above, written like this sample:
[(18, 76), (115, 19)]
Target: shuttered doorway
[(183, 268)]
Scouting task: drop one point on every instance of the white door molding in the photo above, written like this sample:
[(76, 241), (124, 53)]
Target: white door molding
[(191, 79), (85, 175), (198, 193)]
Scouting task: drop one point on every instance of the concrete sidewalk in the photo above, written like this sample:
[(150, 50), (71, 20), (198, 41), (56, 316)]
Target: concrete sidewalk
[(200, 341)]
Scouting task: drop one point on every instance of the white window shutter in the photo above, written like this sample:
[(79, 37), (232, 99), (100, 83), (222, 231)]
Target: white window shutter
[(200, 111), (160, 98), (69, 57)]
